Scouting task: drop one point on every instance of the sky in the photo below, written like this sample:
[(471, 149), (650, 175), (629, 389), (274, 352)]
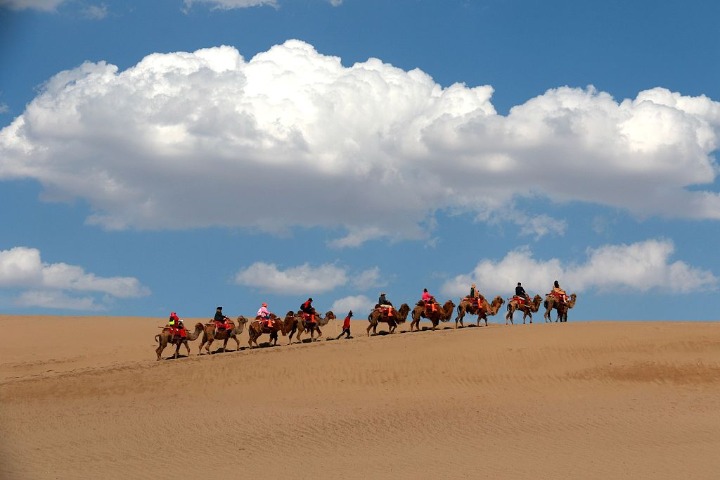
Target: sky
[(179, 155)]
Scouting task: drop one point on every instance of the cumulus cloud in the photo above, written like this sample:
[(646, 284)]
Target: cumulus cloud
[(268, 277), (638, 267), (305, 278), (359, 304), (293, 138), (49, 285), (369, 278), (41, 5)]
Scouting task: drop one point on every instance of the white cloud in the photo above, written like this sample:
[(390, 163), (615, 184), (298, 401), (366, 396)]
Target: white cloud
[(268, 277), (359, 304), (57, 300), (639, 267), (232, 4), (292, 138), (95, 12), (22, 268), (369, 278), (42, 5)]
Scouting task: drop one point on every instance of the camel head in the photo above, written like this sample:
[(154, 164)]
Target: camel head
[(402, 313), (496, 304), (324, 321), (448, 308), (571, 302)]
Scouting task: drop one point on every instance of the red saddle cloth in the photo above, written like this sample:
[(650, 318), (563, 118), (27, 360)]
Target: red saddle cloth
[(178, 332), (387, 311), (559, 296), (222, 326), (431, 307), (309, 317), (519, 300)]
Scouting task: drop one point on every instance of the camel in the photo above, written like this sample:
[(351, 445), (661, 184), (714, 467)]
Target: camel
[(378, 315), (562, 308), (210, 335), (528, 308), (258, 328), (294, 322), (482, 311), (443, 314), (165, 338)]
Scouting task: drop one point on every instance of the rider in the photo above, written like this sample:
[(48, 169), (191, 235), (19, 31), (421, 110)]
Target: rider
[(559, 292), (220, 319), (385, 305), (520, 292), (308, 309), (427, 299), (475, 295), (173, 322), (383, 301), (264, 314)]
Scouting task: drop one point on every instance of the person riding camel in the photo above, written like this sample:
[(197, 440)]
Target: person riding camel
[(520, 292), (383, 301), (475, 296), (264, 314), (308, 309), (428, 300), (559, 292), (385, 306), (176, 326), (220, 320)]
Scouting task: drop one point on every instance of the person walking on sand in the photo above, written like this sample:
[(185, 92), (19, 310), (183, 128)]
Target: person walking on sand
[(346, 326)]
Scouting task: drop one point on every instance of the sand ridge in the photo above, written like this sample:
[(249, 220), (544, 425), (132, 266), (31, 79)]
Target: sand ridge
[(575, 400)]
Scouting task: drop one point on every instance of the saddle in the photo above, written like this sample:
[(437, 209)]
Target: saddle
[(521, 301), (385, 310), (431, 307), (560, 297), (220, 326), (309, 319)]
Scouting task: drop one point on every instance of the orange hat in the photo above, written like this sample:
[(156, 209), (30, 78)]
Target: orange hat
[(264, 304)]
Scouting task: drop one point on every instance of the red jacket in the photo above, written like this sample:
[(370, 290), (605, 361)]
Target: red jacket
[(346, 323)]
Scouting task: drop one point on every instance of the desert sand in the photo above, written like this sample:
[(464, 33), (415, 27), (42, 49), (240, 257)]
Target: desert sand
[(85, 398)]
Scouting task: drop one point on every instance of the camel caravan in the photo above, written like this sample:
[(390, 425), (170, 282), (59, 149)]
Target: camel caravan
[(307, 321)]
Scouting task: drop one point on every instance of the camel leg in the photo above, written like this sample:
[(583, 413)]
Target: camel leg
[(187, 346), (319, 332), (159, 349), (177, 350)]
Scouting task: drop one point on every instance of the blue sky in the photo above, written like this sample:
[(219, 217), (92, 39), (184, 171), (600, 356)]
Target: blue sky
[(178, 155)]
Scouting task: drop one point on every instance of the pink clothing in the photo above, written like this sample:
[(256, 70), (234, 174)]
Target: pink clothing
[(426, 297), (263, 312)]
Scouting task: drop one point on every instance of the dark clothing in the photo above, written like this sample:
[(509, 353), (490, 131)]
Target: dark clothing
[(383, 301), (307, 308), (220, 320), (520, 291)]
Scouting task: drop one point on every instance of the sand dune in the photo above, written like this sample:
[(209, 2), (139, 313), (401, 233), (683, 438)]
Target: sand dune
[(85, 398)]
